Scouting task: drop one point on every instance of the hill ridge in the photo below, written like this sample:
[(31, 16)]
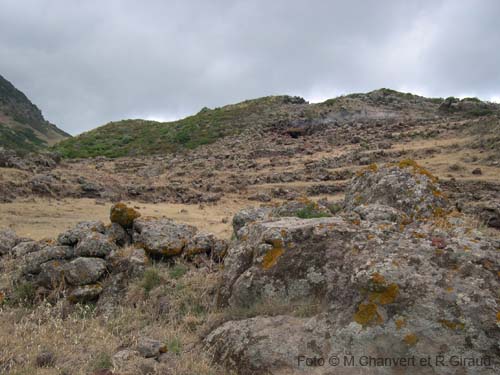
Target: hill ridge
[(22, 125)]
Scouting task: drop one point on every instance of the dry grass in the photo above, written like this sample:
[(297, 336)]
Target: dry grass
[(39, 218), (171, 311)]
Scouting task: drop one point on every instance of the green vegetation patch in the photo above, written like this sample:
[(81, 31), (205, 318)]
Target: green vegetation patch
[(138, 137)]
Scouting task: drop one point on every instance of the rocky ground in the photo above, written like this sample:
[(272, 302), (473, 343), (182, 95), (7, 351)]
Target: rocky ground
[(366, 231)]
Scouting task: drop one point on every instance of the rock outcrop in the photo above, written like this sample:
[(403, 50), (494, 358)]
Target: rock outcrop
[(394, 279), (94, 262)]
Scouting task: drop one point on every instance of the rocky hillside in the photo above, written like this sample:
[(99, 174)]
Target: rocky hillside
[(22, 126), (139, 137), (291, 115)]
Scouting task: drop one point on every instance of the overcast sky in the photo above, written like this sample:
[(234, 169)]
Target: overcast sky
[(85, 63)]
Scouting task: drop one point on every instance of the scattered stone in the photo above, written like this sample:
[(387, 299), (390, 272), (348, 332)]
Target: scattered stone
[(162, 237), (406, 186), (8, 239), (477, 171), (120, 358), (117, 234), (25, 247), (83, 229), (85, 293), (148, 347), (95, 245), (83, 271), (45, 359), (31, 262)]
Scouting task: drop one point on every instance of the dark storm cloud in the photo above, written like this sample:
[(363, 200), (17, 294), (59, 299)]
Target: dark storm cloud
[(89, 62)]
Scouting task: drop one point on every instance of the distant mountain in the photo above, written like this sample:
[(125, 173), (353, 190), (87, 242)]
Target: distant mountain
[(282, 114), (22, 126)]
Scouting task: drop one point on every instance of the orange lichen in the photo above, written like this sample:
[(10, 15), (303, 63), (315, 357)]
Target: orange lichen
[(498, 317), (400, 323), (378, 278), (451, 325), (170, 251), (367, 314), (419, 235), (271, 257), (411, 339), (437, 193), (386, 296)]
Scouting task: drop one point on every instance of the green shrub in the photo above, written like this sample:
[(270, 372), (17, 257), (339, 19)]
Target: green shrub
[(24, 294), (102, 362), (174, 346), (311, 212), (150, 280), (177, 271), (334, 207)]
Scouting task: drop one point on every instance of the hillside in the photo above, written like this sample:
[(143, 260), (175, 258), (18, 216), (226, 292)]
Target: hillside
[(138, 137), (276, 222), (272, 113), (22, 125)]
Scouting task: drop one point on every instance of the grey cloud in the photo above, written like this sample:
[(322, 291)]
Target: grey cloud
[(89, 62)]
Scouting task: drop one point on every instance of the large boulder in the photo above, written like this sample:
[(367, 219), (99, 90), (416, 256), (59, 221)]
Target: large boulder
[(383, 286), (162, 237), (405, 186), (267, 345), (285, 259)]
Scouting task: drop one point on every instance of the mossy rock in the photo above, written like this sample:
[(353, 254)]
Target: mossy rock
[(123, 215)]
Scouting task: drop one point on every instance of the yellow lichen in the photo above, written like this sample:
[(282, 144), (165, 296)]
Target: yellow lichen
[(367, 314), (439, 212), (410, 339), (123, 215), (418, 169), (498, 317), (370, 168)]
